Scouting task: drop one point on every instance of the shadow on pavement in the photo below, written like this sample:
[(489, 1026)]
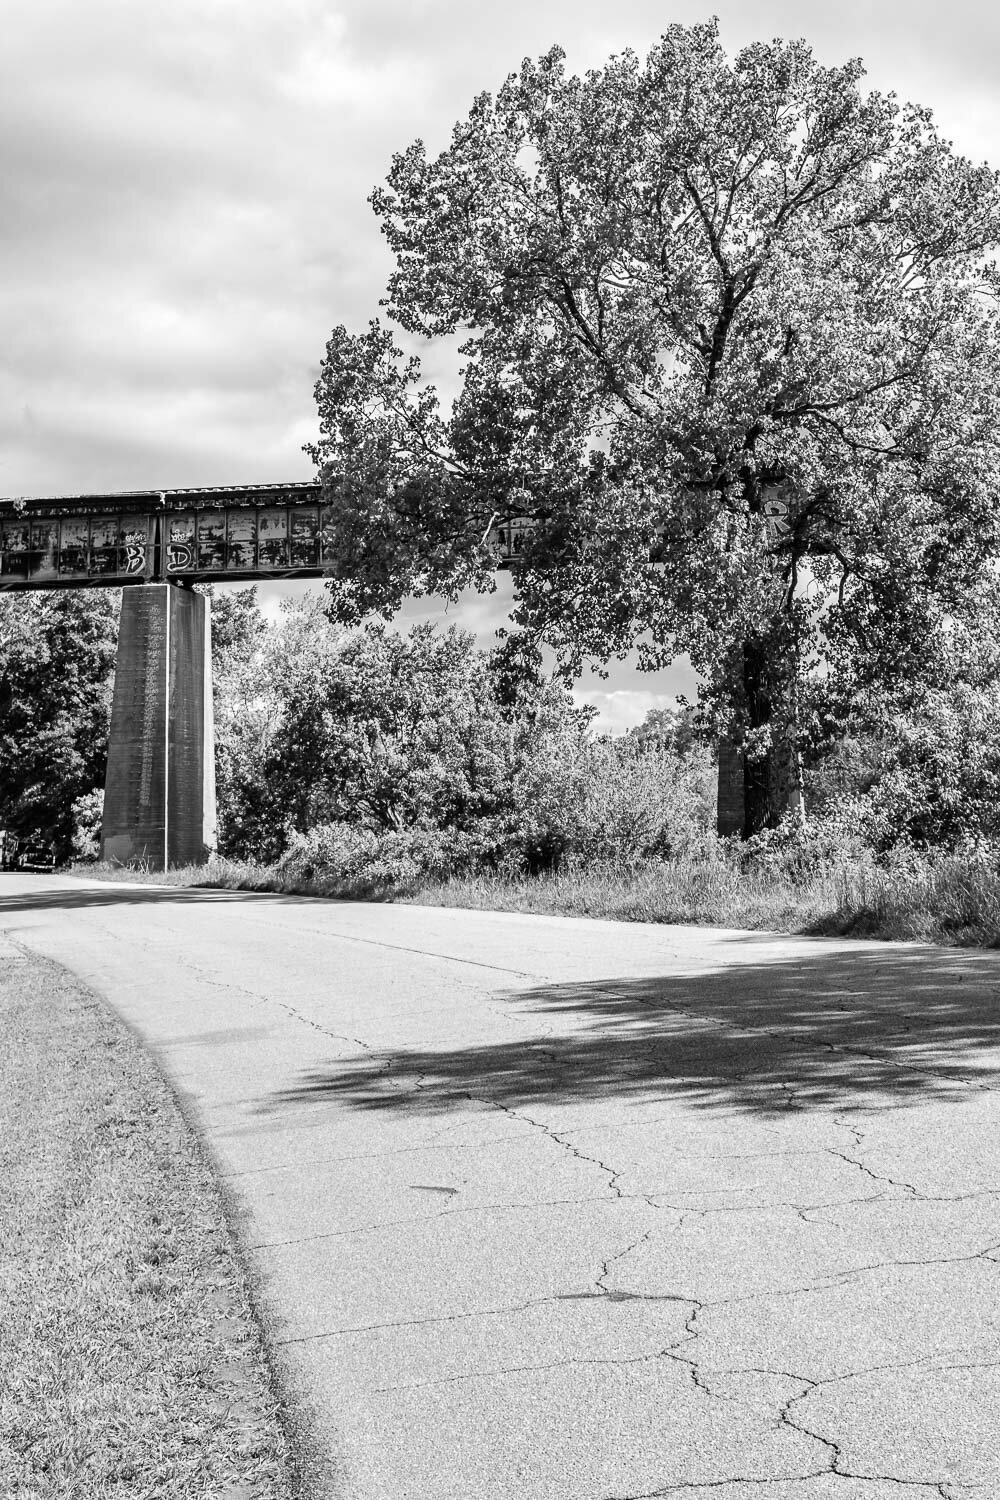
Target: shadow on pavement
[(847, 1029), (63, 898)]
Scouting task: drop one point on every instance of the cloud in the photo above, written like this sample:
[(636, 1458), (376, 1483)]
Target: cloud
[(185, 192), (619, 710), (185, 217)]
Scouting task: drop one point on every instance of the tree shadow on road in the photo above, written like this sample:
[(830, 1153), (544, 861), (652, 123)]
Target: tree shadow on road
[(859, 1028), (65, 898)]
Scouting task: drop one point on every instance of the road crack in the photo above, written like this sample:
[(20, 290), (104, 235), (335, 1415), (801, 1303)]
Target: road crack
[(443, 1213), (560, 1140)]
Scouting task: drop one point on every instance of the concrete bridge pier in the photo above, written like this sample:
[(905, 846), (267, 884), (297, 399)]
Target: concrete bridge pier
[(159, 800)]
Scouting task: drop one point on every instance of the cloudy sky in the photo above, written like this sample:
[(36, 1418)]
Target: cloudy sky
[(183, 214)]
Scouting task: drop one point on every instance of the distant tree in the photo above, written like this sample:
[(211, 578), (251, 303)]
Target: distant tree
[(388, 730), (238, 627), (239, 636), (730, 341), (57, 653), (672, 728), (382, 731)]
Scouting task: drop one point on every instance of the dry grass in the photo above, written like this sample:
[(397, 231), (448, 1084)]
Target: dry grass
[(131, 1364), (953, 901), (711, 893), (948, 899)]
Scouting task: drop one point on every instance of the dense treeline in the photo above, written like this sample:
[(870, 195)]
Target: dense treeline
[(57, 653), (386, 756), (366, 763), (380, 759)]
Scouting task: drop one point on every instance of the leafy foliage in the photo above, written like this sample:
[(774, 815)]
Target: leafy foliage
[(56, 670), (331, 725), (341, 857), (671, 728), (88, 815), (730, 341), (927, 776), (241, 706), (377, 758), (917, 763)]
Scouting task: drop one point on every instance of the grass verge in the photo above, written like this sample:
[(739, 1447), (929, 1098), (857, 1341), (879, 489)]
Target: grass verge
[(948, 899), (954, 903), (131, 1363)]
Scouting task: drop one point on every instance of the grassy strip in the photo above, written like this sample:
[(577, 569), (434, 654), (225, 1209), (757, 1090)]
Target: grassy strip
[(948, 900), (130, 1360), (954, 903)]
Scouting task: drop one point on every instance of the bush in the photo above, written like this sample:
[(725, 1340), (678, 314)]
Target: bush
[(87, 812), (608, 801), (644, 804), (570, 804), (924, 775), (341, 859), (797, 851)]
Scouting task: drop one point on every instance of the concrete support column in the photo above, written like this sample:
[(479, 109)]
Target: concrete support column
[(784, 773), (159, 799), (730, 807)]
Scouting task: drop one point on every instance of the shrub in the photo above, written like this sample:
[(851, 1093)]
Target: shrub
[(643, 804), (925, 773), (609, 801), (87, 812), (342, 859)]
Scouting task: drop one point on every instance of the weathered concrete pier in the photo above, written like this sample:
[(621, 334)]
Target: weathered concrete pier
[(159, 802)]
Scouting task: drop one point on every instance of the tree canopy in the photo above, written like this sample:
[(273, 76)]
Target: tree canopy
[(729, 331), (57, 654)]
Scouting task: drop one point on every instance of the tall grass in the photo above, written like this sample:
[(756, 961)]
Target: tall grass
[(952, 899), (680, 890)]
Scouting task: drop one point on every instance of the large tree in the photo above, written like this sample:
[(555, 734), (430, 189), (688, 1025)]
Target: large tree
[(729, 332)]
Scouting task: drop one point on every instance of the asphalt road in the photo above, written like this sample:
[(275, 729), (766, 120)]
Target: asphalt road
[(548, 1209)]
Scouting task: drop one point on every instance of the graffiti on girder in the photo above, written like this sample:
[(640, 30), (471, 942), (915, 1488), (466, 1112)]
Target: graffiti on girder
[(263, 531), (260, 532)]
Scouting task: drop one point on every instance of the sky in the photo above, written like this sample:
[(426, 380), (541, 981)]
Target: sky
[(184, 216)]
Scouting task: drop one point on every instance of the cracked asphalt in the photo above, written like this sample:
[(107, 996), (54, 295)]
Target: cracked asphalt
[(578, 1210)]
